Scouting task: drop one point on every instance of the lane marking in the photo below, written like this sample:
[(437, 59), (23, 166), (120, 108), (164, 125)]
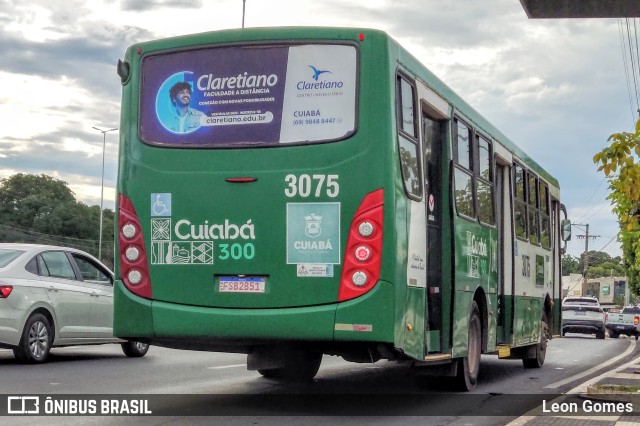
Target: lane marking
[(632, 345), (222, 367)]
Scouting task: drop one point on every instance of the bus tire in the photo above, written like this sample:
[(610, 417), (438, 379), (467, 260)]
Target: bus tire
[(469, 366), (298, 366), (36, 340), (134, 349), (540, 351)]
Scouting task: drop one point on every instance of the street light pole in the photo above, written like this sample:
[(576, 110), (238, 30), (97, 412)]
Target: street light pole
[(243, 8), (104, 143)]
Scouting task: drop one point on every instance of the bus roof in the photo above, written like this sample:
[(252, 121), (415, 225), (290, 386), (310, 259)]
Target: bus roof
[(410, 62)]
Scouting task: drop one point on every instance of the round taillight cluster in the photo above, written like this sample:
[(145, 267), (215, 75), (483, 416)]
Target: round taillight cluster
[(131, 252), (134, 269), (362, 253), (362, 258)]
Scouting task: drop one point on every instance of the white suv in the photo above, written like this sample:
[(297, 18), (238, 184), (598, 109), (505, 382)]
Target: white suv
[(583, 315)]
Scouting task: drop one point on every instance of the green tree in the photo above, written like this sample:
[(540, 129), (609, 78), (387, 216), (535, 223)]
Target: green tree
[(42, 209), (570, 265), (26, 198), (619, 162)]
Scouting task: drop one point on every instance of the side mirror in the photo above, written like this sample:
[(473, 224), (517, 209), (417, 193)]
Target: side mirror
[(123, 70), (565, 229)]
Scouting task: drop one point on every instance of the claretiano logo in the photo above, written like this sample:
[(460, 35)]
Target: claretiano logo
[(316, 84)]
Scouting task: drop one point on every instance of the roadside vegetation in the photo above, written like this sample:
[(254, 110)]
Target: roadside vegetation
[(619, 163), (41, 209)]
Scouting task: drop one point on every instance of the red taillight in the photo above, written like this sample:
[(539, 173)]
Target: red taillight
[(635, 320), (134, 269), (5, 291), (361, 268)]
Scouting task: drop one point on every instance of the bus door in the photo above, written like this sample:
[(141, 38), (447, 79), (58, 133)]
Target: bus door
[(434, 119), (505, 243), (433, 141)]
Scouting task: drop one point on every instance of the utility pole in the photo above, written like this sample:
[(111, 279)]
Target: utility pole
[(585, 260)]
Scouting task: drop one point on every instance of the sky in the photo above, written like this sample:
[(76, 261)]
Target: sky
[(557, 88)]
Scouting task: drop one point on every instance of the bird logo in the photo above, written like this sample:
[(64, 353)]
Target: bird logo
[(317, 72)]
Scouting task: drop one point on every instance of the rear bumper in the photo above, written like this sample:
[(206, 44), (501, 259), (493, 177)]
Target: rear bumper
[(622, 328), (10, 324), (582, 326), (369, 318)]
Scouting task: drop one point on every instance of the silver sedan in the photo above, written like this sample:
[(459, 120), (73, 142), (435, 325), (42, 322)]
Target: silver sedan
[(55, 296)]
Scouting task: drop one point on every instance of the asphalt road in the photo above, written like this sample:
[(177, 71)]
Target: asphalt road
[(218, 385)]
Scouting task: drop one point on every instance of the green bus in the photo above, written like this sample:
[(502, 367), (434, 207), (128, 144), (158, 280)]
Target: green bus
[(293, 192)]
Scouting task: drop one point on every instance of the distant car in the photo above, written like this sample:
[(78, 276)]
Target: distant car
[(55, 296), (583, 315), (626, 322), (584, 300)]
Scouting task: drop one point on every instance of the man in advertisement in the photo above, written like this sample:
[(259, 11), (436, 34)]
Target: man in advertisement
[(184, 118)]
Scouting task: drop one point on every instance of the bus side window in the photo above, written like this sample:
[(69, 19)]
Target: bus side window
[(408, 140), (545, 229), (463, 177), (520, 203), (485, 182), (534, 212)]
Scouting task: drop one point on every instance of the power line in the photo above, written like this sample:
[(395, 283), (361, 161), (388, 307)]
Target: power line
[(633, 67), (626, 67), (610, 241)]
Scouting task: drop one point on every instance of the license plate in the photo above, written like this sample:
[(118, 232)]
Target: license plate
[(242, 284), (581, 313), (620, 327)]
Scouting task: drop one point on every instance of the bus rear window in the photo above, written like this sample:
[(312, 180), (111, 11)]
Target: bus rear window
[(249, 95)]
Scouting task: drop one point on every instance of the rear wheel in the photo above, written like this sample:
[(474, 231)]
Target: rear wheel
[(297, 365), (135, 349), (36, 340), (600, 335), (469, 366), (540, 352), (613, 334)]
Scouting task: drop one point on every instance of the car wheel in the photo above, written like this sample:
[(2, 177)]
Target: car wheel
[(613, 334), (35, 342), (135, 349)]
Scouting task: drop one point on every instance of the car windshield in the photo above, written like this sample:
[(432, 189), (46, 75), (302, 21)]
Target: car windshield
[(8, 255)]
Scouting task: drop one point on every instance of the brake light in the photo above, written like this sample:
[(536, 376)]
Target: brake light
[(5, 291), (635, 320), (134, 268), (363, 253)]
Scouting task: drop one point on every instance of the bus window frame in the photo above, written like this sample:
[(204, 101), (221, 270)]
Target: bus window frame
[(249, 145), (473, 172), (401, 133), (545, 215), (478, 176), (535, 206), (460, 167), (522, 202)]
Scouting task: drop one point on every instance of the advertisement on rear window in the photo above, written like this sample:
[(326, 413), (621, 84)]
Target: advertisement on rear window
[(256, 95)]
